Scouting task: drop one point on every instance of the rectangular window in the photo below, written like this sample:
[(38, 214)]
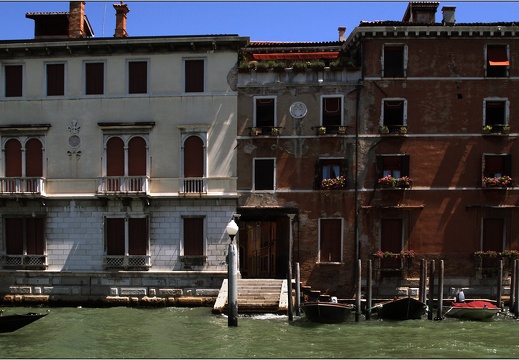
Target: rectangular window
[(496, 114), (394, 114), (138, 77), (493, 234), (497, 60), (13, 80), (394, 61), (55, 79), (395, 165), (330, 240), (331, 111), (264, 174), (194, 75), (25, 242), (497, 165), (94, 78), (265, 113), (329, 169), (193, 236), (127, 242)]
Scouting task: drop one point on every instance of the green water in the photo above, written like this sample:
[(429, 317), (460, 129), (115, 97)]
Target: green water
[(196, 333)]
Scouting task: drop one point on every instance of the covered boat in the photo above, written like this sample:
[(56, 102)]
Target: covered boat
[(10, 323), (401, 309), (473, 310), (327, 312)]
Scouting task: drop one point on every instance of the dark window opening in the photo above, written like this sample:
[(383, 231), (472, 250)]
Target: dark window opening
[(393, 116), (264, 174), (330, 240), (495, 113), (393, 61), (332, 111), (265, 113), (497, 61), (329, 169)]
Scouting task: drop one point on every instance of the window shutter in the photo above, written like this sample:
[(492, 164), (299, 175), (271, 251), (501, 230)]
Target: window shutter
[(318, 174), (94, 82), (137, 157), (14, 236), (193, 236), (55, 79), (194, 76), (380, 167), (138, 77), (13, 80), (507, 166), (137, 236), (193, 157), (34, 238), (115, 236), (33, 158)]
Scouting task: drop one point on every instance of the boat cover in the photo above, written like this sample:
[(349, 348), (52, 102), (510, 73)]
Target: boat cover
[(478, 304)]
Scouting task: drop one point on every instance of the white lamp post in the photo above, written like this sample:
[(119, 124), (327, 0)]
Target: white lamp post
[(232, 271)]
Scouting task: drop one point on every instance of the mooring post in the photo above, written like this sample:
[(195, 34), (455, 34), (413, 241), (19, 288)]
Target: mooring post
[(439, 307), (431, 291), (359, 284), (516, 289), (511, 301), (232, 281), (369, 290), (420, 282), (298, 290), (289, 287), (500, 284)]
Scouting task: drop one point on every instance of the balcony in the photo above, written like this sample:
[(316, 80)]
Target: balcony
[(125, 262), (25, 261), (196, 185), (123, 185), (22, 186)]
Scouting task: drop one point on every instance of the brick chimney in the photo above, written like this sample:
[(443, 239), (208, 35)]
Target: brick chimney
[(421, 12), (76, 20), (342, 33), (120, 19), (448, 15)]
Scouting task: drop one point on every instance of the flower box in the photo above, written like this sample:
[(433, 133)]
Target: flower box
[(498, 182), (333, 184), (389, 182)]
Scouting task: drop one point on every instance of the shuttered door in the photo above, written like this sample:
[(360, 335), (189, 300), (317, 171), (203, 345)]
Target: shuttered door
[(193, 236), (13, 158), (13, 236), (194, 76), (55, 79), (137, 236), (138, 77), (391, 238), (115, 236), (33, 158), (35, 236), (193, 157), (493, 234), (330, 240), (13, 80)]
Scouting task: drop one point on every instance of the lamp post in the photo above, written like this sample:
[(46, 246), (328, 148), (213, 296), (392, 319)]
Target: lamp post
[(232, 271)]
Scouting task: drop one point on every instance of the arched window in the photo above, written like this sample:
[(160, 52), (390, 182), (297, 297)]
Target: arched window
[(115, 157), (33, 158), (193, 157), (137, 157), (13, 158)]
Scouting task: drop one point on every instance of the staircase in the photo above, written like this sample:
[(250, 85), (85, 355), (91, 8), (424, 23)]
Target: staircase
[(256, 296)]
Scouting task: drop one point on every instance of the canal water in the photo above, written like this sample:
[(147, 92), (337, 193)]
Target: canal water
[(196, 333)]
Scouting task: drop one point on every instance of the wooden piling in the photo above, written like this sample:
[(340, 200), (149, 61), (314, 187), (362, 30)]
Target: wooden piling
[(500, 284), (298, 290), (516, 289), (359, 284), (289, 287), (439, 306), (431, 291), (369, 290), (422, 287), (511, 301)]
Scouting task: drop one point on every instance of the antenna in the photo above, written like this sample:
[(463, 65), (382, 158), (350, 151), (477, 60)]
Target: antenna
[(103, 28)]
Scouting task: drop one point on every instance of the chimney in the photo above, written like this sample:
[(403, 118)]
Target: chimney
[(120, 19), (342, 33), (448, 15), (76, 20), (421, 12)]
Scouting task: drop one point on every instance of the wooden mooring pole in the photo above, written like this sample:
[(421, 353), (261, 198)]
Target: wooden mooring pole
[(431, 291), (511, 301), (422, 287), (359, 284), (516, 289), (500, 284), (439, 306), (298, 290), (369, 290), (289, 292)]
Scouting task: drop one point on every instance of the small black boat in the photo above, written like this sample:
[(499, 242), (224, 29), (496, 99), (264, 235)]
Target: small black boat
[(401, 309), (327, 312), (10, 323)]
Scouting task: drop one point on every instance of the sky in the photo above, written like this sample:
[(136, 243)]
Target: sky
[(312, 21)]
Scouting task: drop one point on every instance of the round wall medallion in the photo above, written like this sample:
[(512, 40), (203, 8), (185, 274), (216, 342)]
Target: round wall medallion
[(74, 141), (298, 109)]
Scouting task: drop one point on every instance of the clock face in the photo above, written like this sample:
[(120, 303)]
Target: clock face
[(298, 109)]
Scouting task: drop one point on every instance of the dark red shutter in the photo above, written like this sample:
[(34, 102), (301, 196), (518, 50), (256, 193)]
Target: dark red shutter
[(138, 77), (115, 157), (33, 158), (137, 236), (34, 237), (193, 157), (13, 158), (137, 157), (94, 78), (13, 80), (13, 236), (194, 76), (391, 235), (55, 79), (330, 240), (115, 236), (193, 236)]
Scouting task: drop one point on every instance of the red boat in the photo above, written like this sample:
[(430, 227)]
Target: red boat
[(473, 310)]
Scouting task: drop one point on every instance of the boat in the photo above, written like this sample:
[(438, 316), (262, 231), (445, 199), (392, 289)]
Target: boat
[(327, 312), (473, 310), (10, 323), (401, 309)]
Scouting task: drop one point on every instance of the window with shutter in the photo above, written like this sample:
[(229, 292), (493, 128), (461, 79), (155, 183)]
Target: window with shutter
[(138, 77), (94, 78), (194, 75), (13, 80), (55, 79)]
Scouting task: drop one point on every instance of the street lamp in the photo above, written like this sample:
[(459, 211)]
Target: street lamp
[(232, 272)]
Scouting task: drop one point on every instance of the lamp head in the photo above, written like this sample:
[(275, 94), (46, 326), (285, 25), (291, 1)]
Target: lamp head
[(232, 228)]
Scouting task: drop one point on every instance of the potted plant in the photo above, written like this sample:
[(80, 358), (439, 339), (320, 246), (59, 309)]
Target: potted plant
[(244, 67), (501, 181), (274, 131), (262, 66), (342, 130), (317, 65), (332, 184), (322, 130), (487, 129), (299, 66), (279, 66), (383, 129), (486, 259), (387, 182), (403, 129), (403, 182), (255, 131), (505, 129)]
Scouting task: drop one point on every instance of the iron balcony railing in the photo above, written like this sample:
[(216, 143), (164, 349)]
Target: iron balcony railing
[(123, 185), (22, 185)]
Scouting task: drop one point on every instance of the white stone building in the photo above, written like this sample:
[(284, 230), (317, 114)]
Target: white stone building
[(117, 170)]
